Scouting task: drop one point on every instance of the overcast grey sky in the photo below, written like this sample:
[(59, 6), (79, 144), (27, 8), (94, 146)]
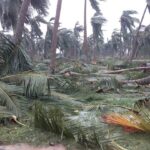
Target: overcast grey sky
[(72, 11)]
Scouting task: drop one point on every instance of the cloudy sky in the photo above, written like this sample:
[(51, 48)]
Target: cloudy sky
[(72, 11)]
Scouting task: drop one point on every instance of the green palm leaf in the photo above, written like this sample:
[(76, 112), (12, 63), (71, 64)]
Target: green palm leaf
[(5, 100)]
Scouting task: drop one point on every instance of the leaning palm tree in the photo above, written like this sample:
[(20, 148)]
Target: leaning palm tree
[(9, 10), (41, 8), (135, 43), (39, 5)]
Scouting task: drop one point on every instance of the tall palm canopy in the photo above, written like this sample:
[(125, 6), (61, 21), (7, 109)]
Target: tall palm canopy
[(127, 21), (97, 21)]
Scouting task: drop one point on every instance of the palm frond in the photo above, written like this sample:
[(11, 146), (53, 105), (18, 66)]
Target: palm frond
[(35, 27), (9, 13), (40, 5), (11, 88), (35, 85), (5, 100), (77, 29), (14, 57), (32, 84), (65, 85), (128, 21), (97, 22), (131, 121), (51, 120), (108, 83), (95, 5), (67, 40), (130, 12), (41, 19)]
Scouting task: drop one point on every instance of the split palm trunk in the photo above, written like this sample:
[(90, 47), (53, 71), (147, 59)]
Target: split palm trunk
[(54, 38)]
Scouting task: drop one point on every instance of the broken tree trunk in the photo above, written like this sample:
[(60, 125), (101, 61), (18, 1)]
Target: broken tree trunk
[(129, 69)]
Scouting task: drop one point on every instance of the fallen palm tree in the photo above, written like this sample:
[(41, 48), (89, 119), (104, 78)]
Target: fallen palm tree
[(142, 81), (129, 69)]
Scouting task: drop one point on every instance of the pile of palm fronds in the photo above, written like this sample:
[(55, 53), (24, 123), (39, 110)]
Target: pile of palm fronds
[(84, 127), (108, 84), (51, 120)]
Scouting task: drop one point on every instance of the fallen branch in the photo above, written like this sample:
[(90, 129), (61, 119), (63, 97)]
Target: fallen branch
[(130, 69)]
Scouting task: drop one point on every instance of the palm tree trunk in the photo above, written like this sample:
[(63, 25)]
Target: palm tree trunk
[(135, 44), (21, 20), (85, 43), (54, 38), (94, 48), (17, 64)]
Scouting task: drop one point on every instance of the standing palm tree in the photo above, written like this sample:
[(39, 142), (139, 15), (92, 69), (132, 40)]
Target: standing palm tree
[(95, 6), (97, 22), (127, 28), (68, 43), (48, 39), (116, 40), (85, 43), (54, 38)]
